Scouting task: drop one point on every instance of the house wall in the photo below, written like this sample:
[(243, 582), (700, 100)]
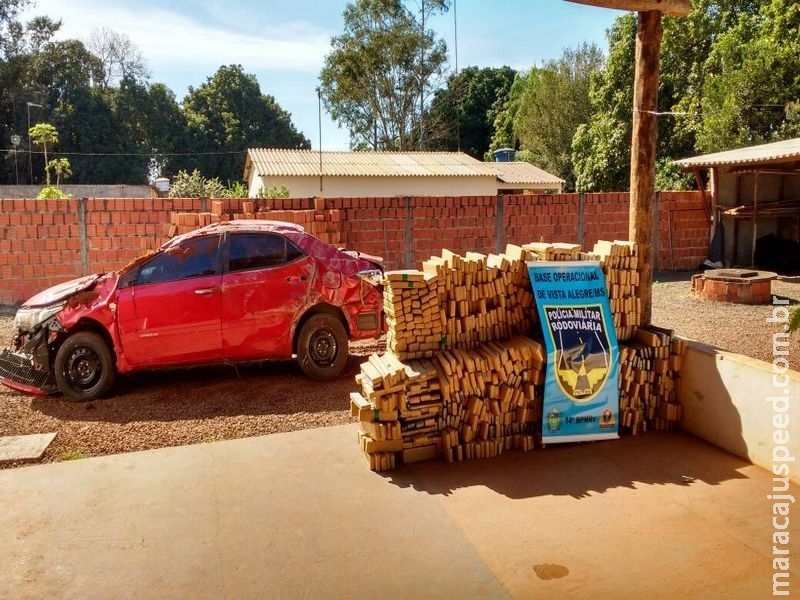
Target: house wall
[(46, 242), (368, 187)]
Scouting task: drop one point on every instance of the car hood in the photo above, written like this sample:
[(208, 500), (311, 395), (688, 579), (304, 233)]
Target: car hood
[(62, 291)]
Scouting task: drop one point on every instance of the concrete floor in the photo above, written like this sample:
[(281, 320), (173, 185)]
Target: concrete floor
[(300, 515)]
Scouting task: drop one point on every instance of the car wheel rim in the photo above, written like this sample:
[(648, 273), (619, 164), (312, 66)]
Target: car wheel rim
[(83, 368), (322, 347)]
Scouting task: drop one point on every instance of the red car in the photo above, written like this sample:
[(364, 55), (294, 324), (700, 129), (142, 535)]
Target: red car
[(229, 292)]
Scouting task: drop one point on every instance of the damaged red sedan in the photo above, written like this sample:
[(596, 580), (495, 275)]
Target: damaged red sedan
[(245, 290)]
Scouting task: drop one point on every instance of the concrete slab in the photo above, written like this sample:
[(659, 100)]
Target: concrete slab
[(300, 515), (22, 448)]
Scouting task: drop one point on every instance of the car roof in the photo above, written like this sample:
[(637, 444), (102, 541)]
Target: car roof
[(242, 226)]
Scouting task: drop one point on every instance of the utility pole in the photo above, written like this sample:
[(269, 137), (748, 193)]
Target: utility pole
[(643, 146), (30, 150)]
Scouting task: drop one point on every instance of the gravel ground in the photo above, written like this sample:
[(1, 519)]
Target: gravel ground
[(737, 328), (155, 410)]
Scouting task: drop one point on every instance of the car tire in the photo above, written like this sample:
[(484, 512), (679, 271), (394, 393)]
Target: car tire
[(322, 347), (84, 367)]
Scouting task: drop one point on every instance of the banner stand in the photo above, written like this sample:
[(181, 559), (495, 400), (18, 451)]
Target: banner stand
[(581, 389)]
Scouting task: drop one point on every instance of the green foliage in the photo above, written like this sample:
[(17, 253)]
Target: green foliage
[(378, 70), (194, 185), (752, 82), (273, 192), (505, 114), (73, 455), (227, 115), (235, 189), (51, 192), (554, 103), (43, 134), (462, 114), (601, 147), (671, 178), (112, 122), (794, 319), (61, 167), (727, 79)]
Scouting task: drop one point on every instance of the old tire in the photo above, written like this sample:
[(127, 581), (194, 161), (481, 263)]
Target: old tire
[(84, 367), (322, 347)]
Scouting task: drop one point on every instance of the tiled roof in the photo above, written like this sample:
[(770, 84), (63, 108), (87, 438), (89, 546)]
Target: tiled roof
[(784, 151), (520, 172), (305, 163)]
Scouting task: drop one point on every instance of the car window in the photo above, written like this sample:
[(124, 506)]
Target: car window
[(260, 250), (193, 258)]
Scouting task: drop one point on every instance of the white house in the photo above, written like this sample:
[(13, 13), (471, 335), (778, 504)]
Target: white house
[(308, 173)]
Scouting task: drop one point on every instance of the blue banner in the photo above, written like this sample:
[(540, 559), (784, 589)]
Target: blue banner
[(581, 388)]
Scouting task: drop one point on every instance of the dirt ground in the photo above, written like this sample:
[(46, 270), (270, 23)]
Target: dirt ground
[(154, 410)]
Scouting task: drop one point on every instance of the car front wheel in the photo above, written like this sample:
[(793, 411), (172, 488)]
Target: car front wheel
[(84, 367), (322, 347)]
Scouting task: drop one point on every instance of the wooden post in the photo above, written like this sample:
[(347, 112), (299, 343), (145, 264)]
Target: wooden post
[(643, 149), (755, 221)]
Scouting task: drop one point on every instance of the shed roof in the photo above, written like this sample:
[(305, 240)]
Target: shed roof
[(775, 152), (306, 163)]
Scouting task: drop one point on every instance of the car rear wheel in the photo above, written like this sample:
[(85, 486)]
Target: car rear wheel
[(84, 367), (322, 347)]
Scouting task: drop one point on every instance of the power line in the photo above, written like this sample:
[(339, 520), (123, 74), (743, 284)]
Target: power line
[(148, 154)]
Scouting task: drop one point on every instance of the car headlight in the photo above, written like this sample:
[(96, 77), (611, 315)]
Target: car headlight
[(27, 319)]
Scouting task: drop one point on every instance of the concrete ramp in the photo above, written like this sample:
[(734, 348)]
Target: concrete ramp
[(300, 515)]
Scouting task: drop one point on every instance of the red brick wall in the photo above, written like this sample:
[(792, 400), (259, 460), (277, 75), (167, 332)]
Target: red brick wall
[(41, 241)]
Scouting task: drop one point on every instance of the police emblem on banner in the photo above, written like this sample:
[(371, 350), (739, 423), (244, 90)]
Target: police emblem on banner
[(582, 349)]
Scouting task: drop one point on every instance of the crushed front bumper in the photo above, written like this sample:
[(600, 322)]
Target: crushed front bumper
[(18, 372)]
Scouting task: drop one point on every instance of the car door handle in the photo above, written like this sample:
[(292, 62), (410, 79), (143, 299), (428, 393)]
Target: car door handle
[(204, 291), (296, 278)]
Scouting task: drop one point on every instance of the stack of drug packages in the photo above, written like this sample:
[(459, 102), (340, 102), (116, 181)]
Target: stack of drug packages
[(459, 379), (456, 302), (620, 261), (649, 370), (462, 404)]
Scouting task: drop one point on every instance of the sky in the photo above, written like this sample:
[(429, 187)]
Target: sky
[(284, 43)]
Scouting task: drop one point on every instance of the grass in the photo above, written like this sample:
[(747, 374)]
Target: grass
[(73, 455)]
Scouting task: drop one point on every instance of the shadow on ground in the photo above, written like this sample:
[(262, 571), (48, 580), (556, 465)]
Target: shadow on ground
[(270, 388), (579, 470)]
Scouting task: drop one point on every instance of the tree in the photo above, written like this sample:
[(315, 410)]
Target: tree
[(752, 84), (17, 40), (553, 105), (462, 114), (10, 29), (152, 122), (43, 134), (601, 148), (505, 115), (61, 167), (372, 78), (718, 88), (228, 114), (119, 57)]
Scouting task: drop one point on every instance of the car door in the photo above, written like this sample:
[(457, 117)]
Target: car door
[(265, 284), (169, 313)]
